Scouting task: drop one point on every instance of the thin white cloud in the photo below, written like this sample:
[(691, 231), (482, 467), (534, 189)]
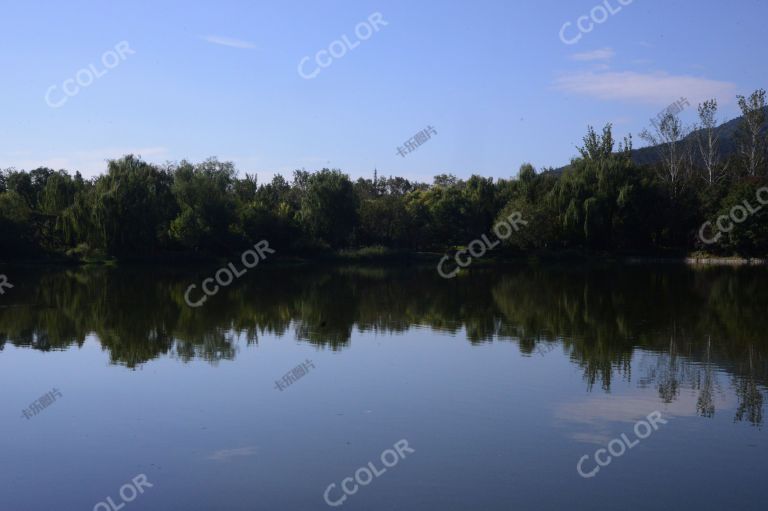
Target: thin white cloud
[(90, 163), (619, 121), (31, 163), (228, 454), (654, 88), (598, 419), (601, 54), (117, 152), (231, 42)]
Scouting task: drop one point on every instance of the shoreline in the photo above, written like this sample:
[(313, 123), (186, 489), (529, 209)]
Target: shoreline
[(366, 257)]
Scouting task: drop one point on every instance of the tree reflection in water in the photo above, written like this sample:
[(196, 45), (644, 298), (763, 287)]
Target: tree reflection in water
[(696, 322)]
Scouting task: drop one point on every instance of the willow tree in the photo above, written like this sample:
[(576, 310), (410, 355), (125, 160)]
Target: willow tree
[(131, 207)]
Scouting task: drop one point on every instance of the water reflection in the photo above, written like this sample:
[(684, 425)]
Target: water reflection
[(697, 322)]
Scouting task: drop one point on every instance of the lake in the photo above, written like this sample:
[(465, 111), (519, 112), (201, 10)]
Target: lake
[(313, 387)]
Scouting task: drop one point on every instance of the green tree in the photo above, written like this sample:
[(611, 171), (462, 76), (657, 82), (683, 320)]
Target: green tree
[(15, 225), (130, 208), (205, 195), (329, 207)]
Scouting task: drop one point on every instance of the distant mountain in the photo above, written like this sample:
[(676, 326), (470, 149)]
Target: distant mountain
[(649, 155)]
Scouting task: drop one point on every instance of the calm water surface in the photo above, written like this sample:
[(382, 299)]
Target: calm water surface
[(500, 381)]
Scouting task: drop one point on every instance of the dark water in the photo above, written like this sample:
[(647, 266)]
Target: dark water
[(499, 382)]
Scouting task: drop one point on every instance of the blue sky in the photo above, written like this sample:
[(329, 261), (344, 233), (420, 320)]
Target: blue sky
[(493, 77)]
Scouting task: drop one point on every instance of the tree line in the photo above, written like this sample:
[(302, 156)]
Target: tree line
[(603, 201)]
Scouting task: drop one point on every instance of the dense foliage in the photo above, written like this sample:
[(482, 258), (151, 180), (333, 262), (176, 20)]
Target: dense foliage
[(602, 201)]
